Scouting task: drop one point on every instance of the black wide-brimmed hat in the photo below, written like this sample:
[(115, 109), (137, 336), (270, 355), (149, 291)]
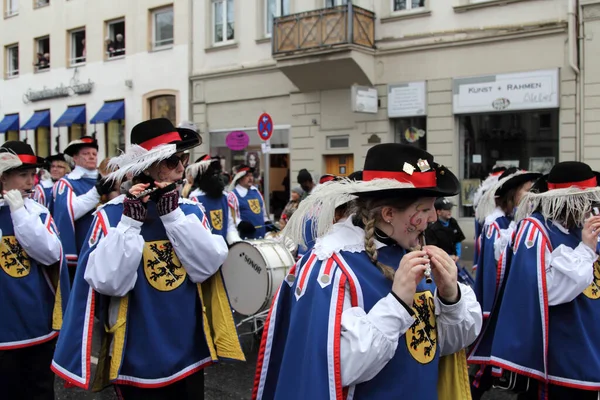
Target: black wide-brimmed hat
[(16, 155), (152, 141), (408, 165), (567, 174), (78, 144), (189, 135), (518, 178), (55, 157), (203, 164), (241, 171)]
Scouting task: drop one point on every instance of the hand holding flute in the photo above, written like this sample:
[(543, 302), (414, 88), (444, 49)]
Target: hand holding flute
[(443, 271)]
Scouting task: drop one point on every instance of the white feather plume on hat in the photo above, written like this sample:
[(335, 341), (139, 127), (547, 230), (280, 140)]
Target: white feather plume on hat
[(561, 205), (9, 160), (137, 159), (319, 207), (486, 185), (199, 168), (236, 178), (487, 204)]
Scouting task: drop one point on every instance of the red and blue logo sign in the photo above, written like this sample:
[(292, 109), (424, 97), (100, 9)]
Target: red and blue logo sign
[(265, 126)]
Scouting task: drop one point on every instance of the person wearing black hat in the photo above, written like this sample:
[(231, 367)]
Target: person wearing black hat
[(32, 294), (76, 196), (205, 174), (250, 214), (149, 271), (305, 180), (55, 167), (357, 316), (543, 327)]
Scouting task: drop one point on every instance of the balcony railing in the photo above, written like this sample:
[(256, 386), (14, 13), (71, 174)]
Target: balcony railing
[(323, 29)]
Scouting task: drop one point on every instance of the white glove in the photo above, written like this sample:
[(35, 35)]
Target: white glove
[(14, 198)]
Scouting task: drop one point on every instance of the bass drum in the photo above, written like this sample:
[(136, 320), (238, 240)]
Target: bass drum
[(253, 271)]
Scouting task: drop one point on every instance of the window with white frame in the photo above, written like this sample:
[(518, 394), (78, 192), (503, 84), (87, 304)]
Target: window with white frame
[(401, 5), (274, 9), (77, 47), (223, 21), (42, 61), (333, 3), (11, 7), (12, 61), (115, 41), (162, 28)]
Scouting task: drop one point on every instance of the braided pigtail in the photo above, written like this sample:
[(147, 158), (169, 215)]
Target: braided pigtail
[(370, 246)]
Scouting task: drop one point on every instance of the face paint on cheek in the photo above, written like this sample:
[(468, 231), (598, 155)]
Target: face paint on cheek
[(415, 219)]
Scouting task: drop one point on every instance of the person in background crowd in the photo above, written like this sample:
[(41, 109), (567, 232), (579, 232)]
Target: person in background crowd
[(115, 189), (305, 181), (544, 327), (357, 318), (32, 294), (76, 196), (248, 204), (291, 206), (499, 204), (57, 167), (486, 185), (445, 233), (205, 174), (149, 271)]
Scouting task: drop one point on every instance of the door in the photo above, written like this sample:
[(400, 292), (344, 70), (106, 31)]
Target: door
[(339, 164)]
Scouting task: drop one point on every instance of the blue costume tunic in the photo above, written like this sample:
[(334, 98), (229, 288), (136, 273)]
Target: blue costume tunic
[(217, 212), (554, 343), (32, 296), (300, 351), (161, 319), (486, 278), (42, 193), (72, 233), (252, 210)]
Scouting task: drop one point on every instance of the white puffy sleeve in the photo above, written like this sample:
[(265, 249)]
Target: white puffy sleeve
[(112, 266), (84, 203), (201, 253), (569, 272), (36, 237), (459, 324)]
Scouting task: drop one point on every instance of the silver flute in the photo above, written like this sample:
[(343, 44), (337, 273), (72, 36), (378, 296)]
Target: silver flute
[(22, 191), (153, 189), (428, 269)]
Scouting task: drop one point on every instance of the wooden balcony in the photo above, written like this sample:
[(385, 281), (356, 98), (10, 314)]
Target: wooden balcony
[(340, 39)]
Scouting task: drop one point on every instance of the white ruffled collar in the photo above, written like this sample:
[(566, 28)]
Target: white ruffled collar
[(343, 236)]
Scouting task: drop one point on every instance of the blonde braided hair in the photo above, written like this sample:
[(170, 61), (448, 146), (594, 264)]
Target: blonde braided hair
[(371, 247)]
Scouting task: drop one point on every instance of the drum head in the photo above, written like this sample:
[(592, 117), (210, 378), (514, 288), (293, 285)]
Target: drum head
[(246, 278)]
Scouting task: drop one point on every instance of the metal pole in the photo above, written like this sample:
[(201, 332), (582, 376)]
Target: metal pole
[(267, 187)]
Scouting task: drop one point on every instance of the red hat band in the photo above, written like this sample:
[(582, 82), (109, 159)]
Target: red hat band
[(418, 179), (586, 184), (165, 138)]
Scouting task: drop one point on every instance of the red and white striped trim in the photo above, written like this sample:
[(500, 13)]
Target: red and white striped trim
[(264, 353), (305, 272), (161, 382), (28, 342)]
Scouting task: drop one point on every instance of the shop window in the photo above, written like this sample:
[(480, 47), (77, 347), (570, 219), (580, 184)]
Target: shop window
[(402, 5), (411, 131), (223, 21), (11, 135), (114, 137), (162, 28), (76, 131), (164, 107), (115, 41), (12, 61), (42, 141), (528, 140), (42, 47), (77, 47)]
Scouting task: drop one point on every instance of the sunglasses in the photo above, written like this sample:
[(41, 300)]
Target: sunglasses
[(173, 161)]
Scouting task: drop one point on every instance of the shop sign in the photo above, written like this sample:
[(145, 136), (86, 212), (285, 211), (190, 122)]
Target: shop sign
[(506, 92), (76, 88), (364, 99), (407, 100)]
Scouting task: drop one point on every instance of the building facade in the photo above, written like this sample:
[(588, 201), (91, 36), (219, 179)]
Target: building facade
[(475, 82), (76, 67)]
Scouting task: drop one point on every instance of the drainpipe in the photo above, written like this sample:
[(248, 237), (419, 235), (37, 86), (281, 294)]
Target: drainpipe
[(572, 28), (581, 91), (190, 57)]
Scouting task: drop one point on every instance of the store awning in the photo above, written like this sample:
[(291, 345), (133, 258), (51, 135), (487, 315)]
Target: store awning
[(9, 123), (39, 118), (115, 110), (73, 115)]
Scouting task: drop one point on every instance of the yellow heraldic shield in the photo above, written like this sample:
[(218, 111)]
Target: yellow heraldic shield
[(162, 268), (216, 219), (421, 337), (593, 291), (13, 259), (254, 205)]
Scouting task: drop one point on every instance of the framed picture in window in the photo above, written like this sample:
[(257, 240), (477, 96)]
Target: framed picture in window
[(543, 165), (468, 187)]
